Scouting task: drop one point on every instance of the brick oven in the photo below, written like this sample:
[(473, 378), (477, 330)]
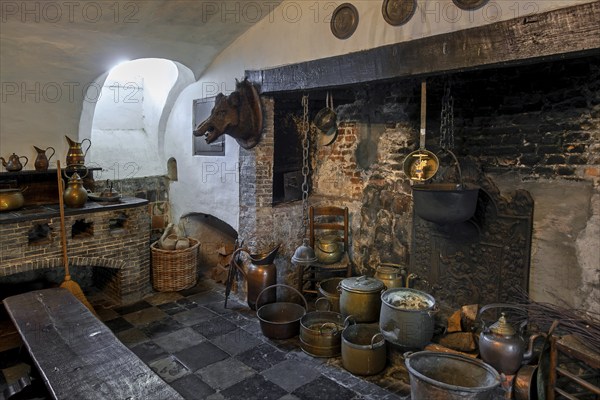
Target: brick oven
[(107, 245)]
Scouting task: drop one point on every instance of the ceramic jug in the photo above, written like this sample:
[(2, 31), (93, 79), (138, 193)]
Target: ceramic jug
[(76, 154), (42, 161), (14, 164)]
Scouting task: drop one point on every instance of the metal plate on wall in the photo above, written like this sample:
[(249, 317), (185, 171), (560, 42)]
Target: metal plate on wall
[(469, 4), (344, 21), (398, 12)]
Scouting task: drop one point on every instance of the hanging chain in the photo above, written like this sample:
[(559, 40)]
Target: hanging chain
[(447, 119), (305, 170)]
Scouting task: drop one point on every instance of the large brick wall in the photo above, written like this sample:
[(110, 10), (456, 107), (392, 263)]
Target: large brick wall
[(533, 127)]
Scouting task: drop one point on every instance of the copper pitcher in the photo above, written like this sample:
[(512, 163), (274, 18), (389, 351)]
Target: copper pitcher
[(76, 154), (42, 161), (260, 273), (14, 164)]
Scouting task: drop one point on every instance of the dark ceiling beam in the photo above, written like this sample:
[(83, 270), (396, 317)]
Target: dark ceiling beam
[(562, 33)]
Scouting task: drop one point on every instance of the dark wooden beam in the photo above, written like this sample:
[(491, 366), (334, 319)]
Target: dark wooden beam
[(562, 33)]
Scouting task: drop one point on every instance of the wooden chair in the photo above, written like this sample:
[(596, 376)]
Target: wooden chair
[(326, 220)]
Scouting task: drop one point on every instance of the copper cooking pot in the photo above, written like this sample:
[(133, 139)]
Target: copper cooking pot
[(11, 199)]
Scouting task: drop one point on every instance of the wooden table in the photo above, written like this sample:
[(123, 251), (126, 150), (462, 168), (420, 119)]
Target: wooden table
[(78, 357)]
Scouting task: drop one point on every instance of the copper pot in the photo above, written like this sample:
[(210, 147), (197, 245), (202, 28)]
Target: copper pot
[(361, 298), (363, 349), (75, 195), (280, 320), (11, 199)]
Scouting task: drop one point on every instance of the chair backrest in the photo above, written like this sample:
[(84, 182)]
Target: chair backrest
[(330, 219)]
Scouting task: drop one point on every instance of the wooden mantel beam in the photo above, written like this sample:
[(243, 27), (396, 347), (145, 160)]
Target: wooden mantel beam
[(566, 32)]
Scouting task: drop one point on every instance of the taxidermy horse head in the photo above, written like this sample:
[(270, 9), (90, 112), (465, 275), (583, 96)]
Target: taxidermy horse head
[(238, 115)]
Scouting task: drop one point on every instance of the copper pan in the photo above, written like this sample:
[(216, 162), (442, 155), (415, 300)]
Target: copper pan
[(421, 164)]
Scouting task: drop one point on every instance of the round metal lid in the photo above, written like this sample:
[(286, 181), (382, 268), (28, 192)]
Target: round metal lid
[(362, 284)]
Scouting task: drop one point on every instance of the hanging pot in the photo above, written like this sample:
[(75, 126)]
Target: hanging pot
[(446, 203), (421, 165)]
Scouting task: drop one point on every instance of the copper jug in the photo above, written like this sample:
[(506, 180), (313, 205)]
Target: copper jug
[(42, 161), (75, 195), (75, 154), (14, 164), (260, 274)]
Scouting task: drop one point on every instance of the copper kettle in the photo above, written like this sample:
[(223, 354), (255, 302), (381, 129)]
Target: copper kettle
[(75, 195), (14, 163), (501, 346)]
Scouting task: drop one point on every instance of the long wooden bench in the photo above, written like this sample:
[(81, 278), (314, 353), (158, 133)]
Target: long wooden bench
[(77, 356)]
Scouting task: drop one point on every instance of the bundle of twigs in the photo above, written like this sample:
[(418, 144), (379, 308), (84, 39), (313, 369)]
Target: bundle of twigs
[(583, 324)]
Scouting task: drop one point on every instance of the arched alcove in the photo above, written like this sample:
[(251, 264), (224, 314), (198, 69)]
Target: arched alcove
[(217, 238), (172, 169), (125, 112)]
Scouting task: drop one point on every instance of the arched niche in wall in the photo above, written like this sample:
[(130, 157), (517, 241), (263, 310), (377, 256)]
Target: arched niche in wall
[(172, 169), (125, 115)]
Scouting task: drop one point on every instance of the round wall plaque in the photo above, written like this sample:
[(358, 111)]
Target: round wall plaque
[(398, 12), (469, 4), (344, 21)]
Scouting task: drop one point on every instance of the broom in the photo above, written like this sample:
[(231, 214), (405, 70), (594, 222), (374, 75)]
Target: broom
[(68, 284)]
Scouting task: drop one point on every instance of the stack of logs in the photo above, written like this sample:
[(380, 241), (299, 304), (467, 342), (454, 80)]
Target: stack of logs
[(460, 334), (220, 271)]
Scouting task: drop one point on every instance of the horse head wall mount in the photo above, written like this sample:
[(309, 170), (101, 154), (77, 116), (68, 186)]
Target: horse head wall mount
[(238, 115)]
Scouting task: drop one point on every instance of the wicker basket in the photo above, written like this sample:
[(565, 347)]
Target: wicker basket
[(174, 270)]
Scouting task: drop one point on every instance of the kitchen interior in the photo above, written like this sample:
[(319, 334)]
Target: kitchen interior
[(399, 200)]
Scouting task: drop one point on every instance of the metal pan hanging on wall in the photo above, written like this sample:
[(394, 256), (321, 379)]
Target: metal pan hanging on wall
[(398, 12), (421, 165), (469, 4), (344, 21)]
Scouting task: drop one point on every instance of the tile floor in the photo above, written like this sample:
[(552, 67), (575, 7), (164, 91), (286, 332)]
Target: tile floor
[(206, 351)]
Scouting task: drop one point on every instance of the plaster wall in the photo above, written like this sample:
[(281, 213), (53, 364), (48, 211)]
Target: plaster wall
[(125, 127)]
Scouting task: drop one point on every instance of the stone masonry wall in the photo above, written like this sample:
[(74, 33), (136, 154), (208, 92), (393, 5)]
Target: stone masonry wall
[(532, 127)]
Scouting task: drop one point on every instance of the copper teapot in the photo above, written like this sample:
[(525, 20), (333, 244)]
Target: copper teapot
[(501, 346), (75, 154), (75, 195), (14, 163)]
